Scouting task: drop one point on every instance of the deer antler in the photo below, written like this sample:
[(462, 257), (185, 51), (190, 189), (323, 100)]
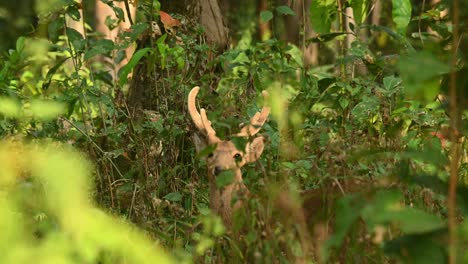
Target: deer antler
[(257, 121), (199, 118)]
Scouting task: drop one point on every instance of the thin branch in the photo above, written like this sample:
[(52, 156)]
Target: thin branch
[(455, 149), (419, 21), (129, 14)]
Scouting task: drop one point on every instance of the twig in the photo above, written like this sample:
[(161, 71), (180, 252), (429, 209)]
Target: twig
[(133, 201), (419, 21), (129, 14), (455, 149), (95, 145)]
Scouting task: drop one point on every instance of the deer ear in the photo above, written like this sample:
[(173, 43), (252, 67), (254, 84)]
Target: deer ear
[(254, 149), (200, 142)]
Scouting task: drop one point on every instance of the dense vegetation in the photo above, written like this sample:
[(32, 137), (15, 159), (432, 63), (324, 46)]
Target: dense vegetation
[(366, 142)]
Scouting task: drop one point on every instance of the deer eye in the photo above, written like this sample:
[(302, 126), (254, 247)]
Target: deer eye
[(210, 155), (237, 157)]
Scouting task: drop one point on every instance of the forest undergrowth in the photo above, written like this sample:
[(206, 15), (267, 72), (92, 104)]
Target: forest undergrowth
[(365, 151)]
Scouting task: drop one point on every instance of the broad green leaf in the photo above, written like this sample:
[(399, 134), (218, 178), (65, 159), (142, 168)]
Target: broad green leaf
[(206, 151), (99, 47), (173, 197), (20, 44), (359, 10), (409, 248), (322, 14), (9, 107), (76, 39), (266, 16), (344, 102), (421, 84), (55, 28), (46, 6), (224, 178), (51, 73), (401, 13), (285, 10), (239, 142), (388, 209), (74, 12), (391, 82), (45, 110), (123, 73), (414, 221), (348, 210)]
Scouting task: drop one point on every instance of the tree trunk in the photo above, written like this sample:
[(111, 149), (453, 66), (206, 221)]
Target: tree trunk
[(205, 12)]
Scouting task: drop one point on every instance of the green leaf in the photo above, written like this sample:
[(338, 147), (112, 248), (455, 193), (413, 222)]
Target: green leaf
[(285, 10), (99, 47), (391, 82), (73, 12), (76, 39), (20, 44), (45, 110), (266, 16), (173, 197), (387, 209), (359, 10), (348, 210), (401, 13), (135, 31), (415, 221), (322, 14), (206, 151), (55, 28), (343, 102), (9, 107), (51, 73), (409, 247), (224, 178), (123, 73), (421, 84), (239, 142)]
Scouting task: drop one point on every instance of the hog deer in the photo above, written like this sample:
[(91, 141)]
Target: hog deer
[(226, 157)]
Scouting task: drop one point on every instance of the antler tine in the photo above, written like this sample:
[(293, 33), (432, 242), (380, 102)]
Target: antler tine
[(200, 119), (257, 121)]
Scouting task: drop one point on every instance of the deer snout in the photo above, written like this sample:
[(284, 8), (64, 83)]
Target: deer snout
[(218, 170)]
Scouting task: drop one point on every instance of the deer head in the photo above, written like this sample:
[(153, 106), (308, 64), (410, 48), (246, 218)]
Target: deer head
[(226, 157)]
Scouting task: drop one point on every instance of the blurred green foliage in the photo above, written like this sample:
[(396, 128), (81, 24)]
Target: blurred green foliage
[(382, 128)]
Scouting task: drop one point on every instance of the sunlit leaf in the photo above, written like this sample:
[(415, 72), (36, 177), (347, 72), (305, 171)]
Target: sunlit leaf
[(401, 12), (45, 110), (9, 107), (51, 73), (322, 14), (360, 10)]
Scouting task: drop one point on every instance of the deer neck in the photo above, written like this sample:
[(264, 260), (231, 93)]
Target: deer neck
[(221, 198)]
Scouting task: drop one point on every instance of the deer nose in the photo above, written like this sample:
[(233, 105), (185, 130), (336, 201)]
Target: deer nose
[(217, 170)]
